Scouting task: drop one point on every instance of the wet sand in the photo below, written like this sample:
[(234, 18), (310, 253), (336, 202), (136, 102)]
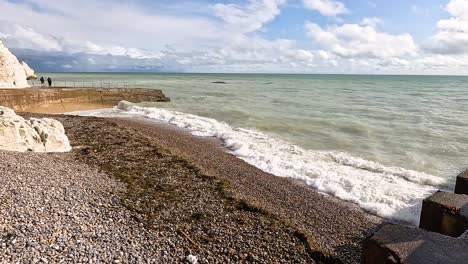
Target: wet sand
[(189, 196)]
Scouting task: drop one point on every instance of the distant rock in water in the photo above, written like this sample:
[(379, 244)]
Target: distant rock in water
[(220, 82), (13, 74), (38, 135)]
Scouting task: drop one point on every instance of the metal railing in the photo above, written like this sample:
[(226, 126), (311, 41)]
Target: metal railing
[(84, 84)]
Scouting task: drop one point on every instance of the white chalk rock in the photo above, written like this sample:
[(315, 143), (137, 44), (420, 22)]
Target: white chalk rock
[(29, 72), (5, 111), (13, 74), (38, 135), (52, 134)]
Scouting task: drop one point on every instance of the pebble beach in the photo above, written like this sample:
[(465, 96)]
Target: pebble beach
[(132, 191)]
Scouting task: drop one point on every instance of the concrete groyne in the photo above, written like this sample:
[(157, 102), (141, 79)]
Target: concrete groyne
[(442, 236), (59, 100)]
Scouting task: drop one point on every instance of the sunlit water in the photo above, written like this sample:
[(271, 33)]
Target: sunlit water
[(383, 142)]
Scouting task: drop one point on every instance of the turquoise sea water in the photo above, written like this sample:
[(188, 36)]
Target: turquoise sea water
[(413, 128)]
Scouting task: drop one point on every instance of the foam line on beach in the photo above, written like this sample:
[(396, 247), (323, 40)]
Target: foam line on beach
[(390, 192)]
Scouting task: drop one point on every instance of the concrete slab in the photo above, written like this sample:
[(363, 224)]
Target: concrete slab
[(393, 244), (462, 183), (445, 213)]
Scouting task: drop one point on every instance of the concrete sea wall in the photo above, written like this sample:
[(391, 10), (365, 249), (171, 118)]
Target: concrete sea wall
[(65, 100)]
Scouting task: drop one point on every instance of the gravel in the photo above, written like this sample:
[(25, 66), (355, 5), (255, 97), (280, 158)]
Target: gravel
[(336, 228), (55, 210), (120, 197)]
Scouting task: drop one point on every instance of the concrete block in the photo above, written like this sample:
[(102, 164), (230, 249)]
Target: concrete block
[(462, 183), (445, 213), (393, 244)]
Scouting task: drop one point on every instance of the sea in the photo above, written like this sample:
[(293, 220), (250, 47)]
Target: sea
[(382, 142)]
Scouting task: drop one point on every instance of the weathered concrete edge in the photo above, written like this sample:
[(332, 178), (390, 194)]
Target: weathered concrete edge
[(394, 243), (59, 100), (445, 213), (461, 187)]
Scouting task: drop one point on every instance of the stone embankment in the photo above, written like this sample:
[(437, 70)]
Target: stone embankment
[(57, 100)]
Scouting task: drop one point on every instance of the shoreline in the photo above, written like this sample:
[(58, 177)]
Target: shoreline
[(189, 196), (338, 226)]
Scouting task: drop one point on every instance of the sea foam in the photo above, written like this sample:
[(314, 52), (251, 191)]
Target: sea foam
[(390, 192)]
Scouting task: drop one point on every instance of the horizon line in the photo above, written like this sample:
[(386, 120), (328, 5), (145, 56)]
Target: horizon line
[(251, 73)]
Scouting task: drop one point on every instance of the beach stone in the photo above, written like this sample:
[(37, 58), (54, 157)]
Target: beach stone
[(401, 244), (13, 74), (38, 135), (445, 213), (461, 186)]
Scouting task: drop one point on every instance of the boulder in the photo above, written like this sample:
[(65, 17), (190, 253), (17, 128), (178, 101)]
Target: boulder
[(13, 74), (38, 135), (52, 134)]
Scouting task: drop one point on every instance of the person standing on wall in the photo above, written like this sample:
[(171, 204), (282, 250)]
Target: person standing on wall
[(42, 81), (49, 81)]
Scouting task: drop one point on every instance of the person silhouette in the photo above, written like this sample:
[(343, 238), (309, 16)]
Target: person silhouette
[(42, 81), (49, 81)]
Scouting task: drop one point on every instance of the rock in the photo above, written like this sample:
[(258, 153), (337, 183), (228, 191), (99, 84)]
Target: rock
[(462, 183), (5, 111), (29, 72), (16, 134), (397, 244), (445, 213), (13, 74), (39, 135), (52, 134), (192, 259)]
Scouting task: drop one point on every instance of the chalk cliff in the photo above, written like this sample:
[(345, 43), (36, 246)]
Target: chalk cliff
[(38, 135), (13, 74)]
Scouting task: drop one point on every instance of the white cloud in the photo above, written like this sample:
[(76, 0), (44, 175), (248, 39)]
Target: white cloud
[(458, 8), (371, 21), (353, 40), (326, 7), (442, 61), (28, 38), (250, 17), (220, 37), (123, 24), (452, 35), (170, 42)]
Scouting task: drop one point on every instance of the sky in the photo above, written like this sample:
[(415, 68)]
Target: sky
[(251, 36)]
